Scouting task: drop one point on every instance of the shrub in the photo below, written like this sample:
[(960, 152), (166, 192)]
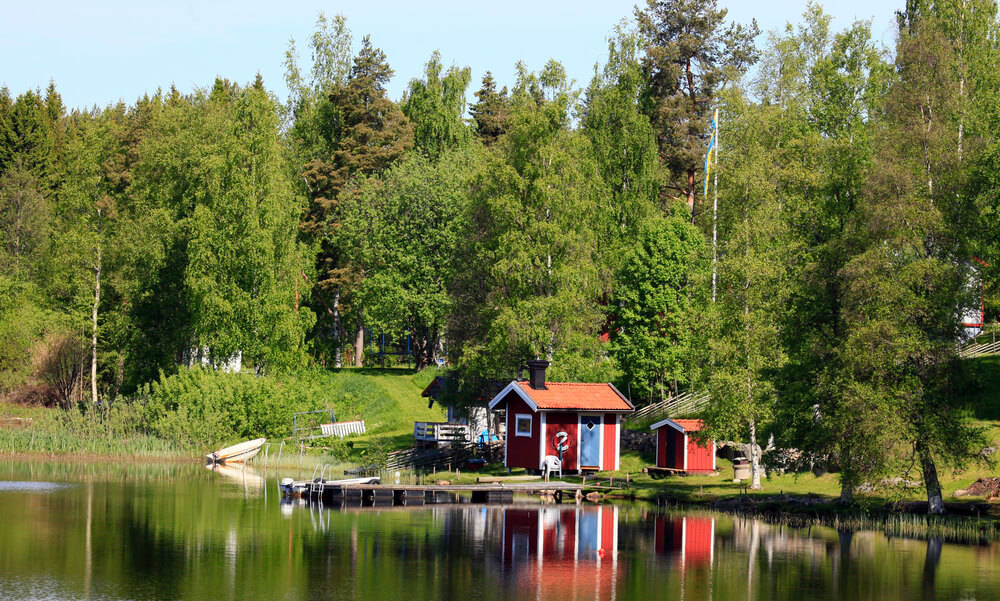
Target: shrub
[(197, 407)]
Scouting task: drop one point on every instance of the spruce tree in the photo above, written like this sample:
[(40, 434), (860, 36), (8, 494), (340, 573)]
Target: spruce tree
[(690, 56), (369, 134), (491, 112)]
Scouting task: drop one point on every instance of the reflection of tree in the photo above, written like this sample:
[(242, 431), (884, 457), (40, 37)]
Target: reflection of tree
[(931, 560), (841, 561)]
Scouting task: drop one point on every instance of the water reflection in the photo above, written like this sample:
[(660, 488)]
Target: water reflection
[(183, 532), (246, 477), (562, 552)]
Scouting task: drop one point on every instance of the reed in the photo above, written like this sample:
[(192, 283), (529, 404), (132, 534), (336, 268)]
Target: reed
[(115, 432), (953, 529)]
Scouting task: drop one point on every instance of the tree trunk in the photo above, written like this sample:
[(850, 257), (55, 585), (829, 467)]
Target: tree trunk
[(848, 478), (935, 502), (690, 193), (359, 342), (93, 338), (846, 492), (755, 457), (338, 350)]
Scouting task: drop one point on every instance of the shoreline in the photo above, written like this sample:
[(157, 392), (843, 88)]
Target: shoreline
[(785, 507)]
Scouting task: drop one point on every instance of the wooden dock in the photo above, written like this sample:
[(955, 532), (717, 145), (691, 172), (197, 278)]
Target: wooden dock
[(389, 495)]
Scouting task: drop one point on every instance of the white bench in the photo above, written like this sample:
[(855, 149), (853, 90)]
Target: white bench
[(342, 429)]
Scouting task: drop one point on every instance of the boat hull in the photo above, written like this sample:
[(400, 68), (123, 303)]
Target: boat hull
[(237, 453)]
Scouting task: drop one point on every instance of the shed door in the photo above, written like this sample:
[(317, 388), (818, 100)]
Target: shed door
[(671, 447), (590, 440)]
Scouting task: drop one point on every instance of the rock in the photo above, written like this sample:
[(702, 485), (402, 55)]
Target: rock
[(961, 492), (985, 487), (903, 482), (593, 497), (443, 482)]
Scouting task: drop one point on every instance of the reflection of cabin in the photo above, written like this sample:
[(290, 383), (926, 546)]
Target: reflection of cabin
[(538, 411), (689, 538), (677, 448), (466, 422), (562, 552)]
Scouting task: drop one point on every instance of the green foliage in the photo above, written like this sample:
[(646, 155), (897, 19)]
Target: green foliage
[(623, 144), (531, 273), (436, 106), (403, 230), (196, 407), (653, 304)]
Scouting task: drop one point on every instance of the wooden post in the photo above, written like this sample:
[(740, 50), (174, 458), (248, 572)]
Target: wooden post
[(301, 445)]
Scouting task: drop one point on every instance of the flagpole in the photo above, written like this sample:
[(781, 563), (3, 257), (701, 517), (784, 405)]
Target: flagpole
[(715, 208)]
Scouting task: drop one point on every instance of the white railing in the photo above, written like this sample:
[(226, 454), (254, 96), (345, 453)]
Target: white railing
[(678, 406), (440, 431)]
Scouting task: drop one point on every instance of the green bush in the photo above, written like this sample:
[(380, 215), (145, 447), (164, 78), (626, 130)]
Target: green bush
[(196, 407)]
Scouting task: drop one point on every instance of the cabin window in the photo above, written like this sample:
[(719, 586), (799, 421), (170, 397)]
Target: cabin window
[(522, 424)]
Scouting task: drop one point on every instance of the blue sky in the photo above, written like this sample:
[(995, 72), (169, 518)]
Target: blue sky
[(102, 52)]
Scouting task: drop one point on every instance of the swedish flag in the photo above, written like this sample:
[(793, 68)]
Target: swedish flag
[(711, 147)]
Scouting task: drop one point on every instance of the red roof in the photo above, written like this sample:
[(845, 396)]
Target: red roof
[(690, 425), (576, 396), (687, 425)]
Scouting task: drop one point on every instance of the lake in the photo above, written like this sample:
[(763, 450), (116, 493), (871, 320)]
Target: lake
[(162, 532)]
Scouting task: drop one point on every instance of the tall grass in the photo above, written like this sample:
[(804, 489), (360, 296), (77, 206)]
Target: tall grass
[(118, 432)]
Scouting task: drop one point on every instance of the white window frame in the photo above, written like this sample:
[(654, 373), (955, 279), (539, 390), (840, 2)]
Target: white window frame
[(531, 424)]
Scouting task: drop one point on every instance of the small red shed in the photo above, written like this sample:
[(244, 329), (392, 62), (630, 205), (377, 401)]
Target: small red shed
[(677, 449), (540, 415)]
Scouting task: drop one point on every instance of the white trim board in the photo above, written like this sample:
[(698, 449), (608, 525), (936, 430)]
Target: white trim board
[(618, 454), (513, 386), (541, 440), (667, 422)]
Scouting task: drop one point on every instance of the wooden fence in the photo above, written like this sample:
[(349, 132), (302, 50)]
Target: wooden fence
[(974, 349), (683, 404), (442, 458)]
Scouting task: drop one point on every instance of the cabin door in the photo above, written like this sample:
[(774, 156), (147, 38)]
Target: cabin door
[(590, 441)]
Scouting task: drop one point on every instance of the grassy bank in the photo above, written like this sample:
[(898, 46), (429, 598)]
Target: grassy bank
[(193, 412)]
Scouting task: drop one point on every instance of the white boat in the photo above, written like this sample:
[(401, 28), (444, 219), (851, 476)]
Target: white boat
[(238, 452), (292, 488)]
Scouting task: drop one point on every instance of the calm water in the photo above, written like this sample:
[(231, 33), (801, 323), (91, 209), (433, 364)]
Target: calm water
[(74, 531)]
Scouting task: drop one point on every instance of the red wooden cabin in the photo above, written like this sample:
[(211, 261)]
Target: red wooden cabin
[(678, 449), (538, 411)]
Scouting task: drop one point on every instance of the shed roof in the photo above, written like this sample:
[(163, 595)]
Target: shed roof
[(567, 396), (681, 425)]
